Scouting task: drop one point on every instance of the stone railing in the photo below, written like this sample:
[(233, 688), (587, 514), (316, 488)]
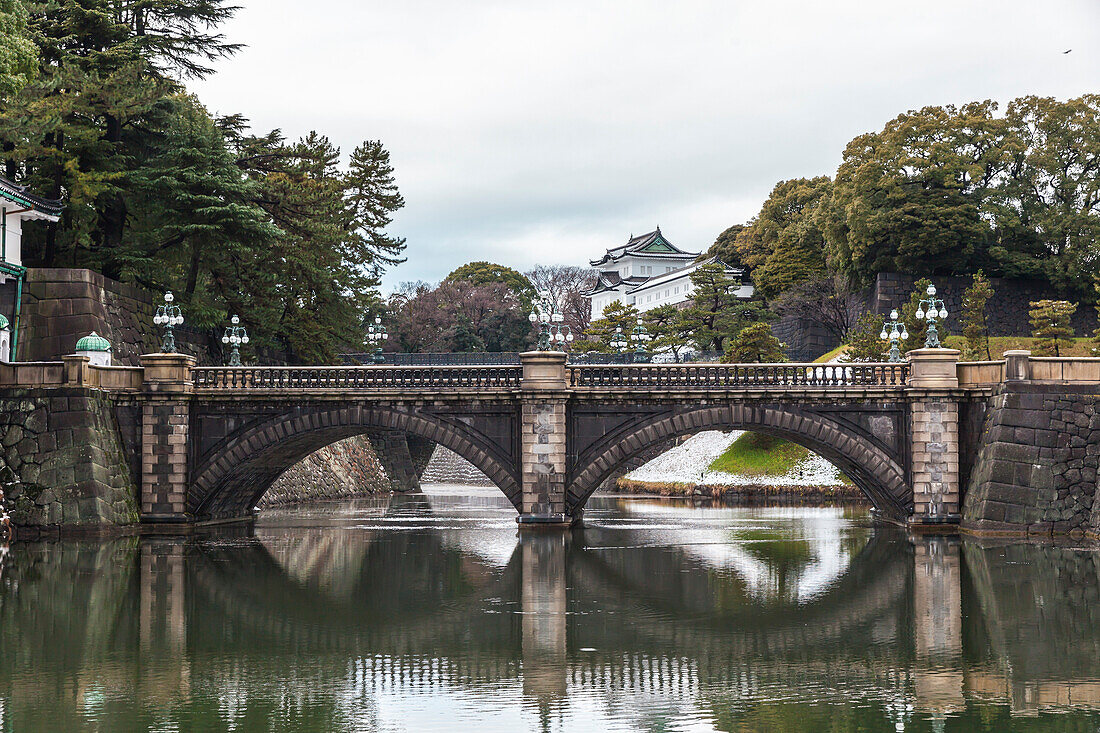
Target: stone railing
[(720, 376), (1071, 369), (32, 374), (980, 373), (380, 377)]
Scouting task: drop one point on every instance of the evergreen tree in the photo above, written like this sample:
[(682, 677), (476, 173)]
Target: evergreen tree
[(1051, 326), (784, 245), (18, 54), (864, 342), (615, 316), (669, 331), (715, 312), (481, 273), (725, 246), (975, 323), (755, 344), (373, 197)]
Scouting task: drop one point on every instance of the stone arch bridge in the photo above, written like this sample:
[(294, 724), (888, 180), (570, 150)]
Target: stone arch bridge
[(213, 439)]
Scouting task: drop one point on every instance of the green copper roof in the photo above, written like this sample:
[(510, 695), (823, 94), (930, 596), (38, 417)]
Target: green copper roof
[(93, 342), (3, 322)]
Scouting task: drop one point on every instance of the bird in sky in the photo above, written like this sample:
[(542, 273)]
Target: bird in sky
[(1065, 52)]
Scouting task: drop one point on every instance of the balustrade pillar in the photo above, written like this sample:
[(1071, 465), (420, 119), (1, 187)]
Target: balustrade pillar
[(542, 439), (165, 423), (934, 436)]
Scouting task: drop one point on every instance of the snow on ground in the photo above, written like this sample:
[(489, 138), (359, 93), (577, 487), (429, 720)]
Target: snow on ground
[(688, 464)]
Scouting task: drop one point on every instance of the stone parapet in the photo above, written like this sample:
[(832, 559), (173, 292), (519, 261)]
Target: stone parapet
[(168, 373), (543, 370), (933, 368)]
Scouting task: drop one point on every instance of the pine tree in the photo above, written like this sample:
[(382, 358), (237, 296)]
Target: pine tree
[(669, 331), (373, 197), (975, 324), (615, 316), (755, 344), (716, 313), (1051, 326)]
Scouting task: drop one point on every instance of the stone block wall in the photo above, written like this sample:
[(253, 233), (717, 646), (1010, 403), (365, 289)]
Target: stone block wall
[(345, 469), (447, 467), (1036, 470), (60, 306), (62, 461), (804, 339)]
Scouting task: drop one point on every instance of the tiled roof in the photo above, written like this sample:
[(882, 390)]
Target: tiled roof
[(652, 244), (19, 195), (610, 280)]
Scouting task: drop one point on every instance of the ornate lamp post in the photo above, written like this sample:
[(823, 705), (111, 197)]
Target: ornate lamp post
[(376, 334), (640, 336), (235, 335), (618, 341), (931, 308), (893, 331), (169, 316), (553, 334)]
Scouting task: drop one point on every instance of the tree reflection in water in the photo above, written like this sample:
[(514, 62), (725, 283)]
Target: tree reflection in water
[(428, 612)]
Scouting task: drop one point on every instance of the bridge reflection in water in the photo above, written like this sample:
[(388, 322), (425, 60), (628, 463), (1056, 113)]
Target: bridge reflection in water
[(429, 611)]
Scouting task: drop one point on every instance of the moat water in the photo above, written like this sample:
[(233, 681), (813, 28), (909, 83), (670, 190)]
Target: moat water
[(430, 613)]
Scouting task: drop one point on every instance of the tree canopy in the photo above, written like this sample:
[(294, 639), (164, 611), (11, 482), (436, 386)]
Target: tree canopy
[(784, 245), (160, 193), (942, 191), (482, 273)]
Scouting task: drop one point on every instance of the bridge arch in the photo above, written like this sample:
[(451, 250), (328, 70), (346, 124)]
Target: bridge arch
[(879, 475), (230, 480)]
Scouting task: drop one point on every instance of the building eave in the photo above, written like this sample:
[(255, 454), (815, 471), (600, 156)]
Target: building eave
[(36, 207)]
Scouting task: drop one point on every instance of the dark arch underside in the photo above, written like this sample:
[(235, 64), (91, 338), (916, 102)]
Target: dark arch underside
[(231, 482), (874, 471)]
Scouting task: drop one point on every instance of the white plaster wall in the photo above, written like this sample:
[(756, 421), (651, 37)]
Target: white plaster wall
[(13, 224)]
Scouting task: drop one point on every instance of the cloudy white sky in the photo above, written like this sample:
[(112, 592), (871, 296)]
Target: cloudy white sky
[(527, 133)]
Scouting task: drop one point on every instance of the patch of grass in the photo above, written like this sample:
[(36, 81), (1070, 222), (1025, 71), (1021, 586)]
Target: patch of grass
[(754, 454), (998, 345), (825, 358)]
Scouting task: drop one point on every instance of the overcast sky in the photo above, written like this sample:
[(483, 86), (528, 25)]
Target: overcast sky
[(528, 133)]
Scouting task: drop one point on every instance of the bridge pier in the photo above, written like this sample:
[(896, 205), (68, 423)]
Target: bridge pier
[(392, 449), (542, 440), (165, 424), (934, 436)]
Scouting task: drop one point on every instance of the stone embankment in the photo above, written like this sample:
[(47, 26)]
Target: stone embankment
[(62, 460), (1037, 466), (345, 469), (447, 467)]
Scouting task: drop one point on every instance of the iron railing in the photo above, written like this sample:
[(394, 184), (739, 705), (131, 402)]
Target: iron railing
[(357, 377), (620, 376), (739, 375)]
